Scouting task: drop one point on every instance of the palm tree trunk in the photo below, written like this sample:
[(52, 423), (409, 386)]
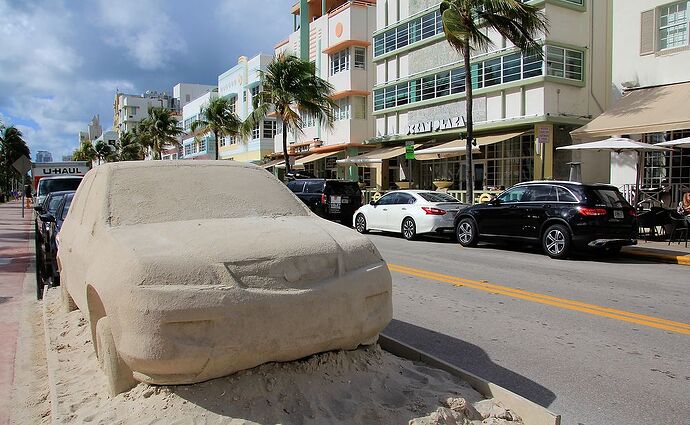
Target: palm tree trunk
[(215, 136), (468, 119), (286, 157)]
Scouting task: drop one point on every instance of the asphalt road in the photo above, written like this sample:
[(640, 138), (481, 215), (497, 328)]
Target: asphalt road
[(598, 340)]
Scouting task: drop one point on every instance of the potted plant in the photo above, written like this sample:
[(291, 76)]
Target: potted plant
[(443, 183), (361, 185), (403, 184)]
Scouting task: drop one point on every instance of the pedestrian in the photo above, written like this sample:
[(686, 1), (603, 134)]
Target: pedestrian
[(684, 206)]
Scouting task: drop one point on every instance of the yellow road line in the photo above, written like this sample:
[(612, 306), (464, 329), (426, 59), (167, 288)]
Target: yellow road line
[(640, 319)]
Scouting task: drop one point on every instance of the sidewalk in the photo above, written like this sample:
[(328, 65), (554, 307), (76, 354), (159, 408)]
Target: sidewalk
[(15, 256), (659, 252)]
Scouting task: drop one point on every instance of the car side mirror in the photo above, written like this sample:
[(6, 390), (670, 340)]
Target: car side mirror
[(372, 203), (38, 208), (495, 201), (48, 218)]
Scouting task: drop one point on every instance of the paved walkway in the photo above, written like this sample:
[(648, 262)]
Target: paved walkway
[(660, 252), (15, 256)]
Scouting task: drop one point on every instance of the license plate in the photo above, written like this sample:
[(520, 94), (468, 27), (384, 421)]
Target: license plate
[(335, 203), (618, 214), (345, 201)]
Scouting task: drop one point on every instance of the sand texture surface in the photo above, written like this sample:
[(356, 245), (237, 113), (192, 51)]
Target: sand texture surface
[(364, 386)]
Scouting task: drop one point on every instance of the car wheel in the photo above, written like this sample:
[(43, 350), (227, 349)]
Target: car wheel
[(118, 374), (556, 241), (466, 233), (39, 270), (409, 229), (361, 223)]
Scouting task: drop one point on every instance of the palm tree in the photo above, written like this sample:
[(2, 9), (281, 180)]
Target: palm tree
[(129, 147), (463, 21), (291, 88), (218, 118), (105, 152), (160, 129), (12, 147), (85, 152)]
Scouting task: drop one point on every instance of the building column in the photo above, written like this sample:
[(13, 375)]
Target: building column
[(304, 30), (543, 151), (323, 7)]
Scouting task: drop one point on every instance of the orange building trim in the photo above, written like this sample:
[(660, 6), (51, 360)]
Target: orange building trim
[(343, 44), (282, 43), (348, 93)]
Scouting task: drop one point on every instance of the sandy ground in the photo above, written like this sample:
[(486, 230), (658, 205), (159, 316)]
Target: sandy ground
[(364, 386)]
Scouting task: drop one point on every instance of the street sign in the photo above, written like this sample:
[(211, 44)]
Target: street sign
[(409, 150), (23, 164)]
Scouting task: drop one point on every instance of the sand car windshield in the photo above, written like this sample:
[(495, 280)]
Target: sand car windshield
[(193, 192)]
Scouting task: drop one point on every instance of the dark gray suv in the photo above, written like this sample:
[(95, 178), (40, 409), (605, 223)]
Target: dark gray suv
[(559, 215)]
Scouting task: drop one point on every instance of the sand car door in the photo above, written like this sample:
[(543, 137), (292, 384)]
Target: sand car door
[(379, 212)]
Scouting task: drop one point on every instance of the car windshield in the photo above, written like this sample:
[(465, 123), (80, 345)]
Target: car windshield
[(342, 188), (46, 186), (191, 192), (610, 197), (68, 202), (437, 197), (53, 203)]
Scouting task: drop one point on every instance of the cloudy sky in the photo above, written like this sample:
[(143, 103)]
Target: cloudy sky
[(61, 61)]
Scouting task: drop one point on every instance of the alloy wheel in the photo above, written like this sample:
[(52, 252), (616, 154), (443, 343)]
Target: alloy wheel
[(465, 232), (360, 224), (555, 241), (408, 229)]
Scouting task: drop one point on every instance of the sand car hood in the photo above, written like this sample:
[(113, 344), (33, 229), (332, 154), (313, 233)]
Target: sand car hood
[(272, 253)]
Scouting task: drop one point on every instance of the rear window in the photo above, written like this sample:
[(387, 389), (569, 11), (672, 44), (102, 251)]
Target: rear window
[(343, 188), (313, 187), (610, 197), (46, 186), (65, 209), (54, 203), (437, 197), (295, 186)]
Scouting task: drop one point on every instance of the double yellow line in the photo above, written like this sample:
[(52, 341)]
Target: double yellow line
[(638, 319)]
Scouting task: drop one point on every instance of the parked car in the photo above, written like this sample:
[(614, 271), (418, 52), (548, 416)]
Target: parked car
[(330, 199), (54, 224), (183, 285), (48, 185), (45, 213), (409, 212), (559, 215)]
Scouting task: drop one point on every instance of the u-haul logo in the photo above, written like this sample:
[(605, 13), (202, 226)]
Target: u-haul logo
[(66, 170)]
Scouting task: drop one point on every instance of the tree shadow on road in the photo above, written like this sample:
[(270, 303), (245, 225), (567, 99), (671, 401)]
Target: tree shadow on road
[(469, 357)]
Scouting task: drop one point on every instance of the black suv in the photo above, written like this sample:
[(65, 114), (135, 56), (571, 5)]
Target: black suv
[(560, 215), (330, 199)]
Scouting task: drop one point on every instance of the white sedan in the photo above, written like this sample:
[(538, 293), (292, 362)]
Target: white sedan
[(410, 212)]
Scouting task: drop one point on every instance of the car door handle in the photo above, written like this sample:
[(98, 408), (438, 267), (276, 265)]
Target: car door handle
[(385, 209), (404, 209)]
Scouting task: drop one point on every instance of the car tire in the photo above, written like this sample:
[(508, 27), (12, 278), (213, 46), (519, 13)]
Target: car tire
[(361, 223), (118, 374), (408, 229), (39, 270), (466, 233), (556, 241)]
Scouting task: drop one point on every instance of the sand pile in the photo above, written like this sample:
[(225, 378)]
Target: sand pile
[(364, 386)]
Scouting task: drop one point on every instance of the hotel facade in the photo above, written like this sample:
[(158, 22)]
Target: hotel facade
[(524, 106)]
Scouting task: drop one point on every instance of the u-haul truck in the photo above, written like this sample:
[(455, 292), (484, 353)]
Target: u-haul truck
[(43, 170)]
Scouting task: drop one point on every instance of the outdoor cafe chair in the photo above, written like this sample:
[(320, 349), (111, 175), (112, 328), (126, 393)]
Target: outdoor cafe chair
[(679, 228)]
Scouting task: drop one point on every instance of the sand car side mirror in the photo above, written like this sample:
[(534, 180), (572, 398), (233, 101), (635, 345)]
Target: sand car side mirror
[(47, 218)]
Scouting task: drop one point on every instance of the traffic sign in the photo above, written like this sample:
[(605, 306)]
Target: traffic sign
[(23, 165), (409, 150)]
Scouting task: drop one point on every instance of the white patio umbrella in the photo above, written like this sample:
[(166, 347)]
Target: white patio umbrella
[(618, 145), (678, 143)]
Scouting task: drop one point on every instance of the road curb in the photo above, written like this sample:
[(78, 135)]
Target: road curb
[(657, 255), (52, 364)]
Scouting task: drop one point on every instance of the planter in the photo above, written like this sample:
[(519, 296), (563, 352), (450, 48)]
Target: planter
[(442, 184), (362, 185), (403, 185)]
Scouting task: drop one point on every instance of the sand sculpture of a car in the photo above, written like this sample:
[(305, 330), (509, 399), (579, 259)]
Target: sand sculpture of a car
[(192, 270)]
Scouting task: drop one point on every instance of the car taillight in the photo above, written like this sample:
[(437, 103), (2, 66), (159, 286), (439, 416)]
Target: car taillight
[(632, 213), (433, 211), (587, 211), (323, 199)]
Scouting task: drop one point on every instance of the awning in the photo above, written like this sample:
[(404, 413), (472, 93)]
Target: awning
[(274, 163), (457, 147), (647, 110), (374, 157), (313, 157)]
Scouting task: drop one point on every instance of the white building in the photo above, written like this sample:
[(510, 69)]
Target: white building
[(129, 109), (197, 146), (336, 35), (44, 156), (519, 100), (186, 92), (651, 87), (239, 85)]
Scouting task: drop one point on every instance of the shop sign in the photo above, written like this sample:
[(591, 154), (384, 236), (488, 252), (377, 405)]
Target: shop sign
[(544, 133), (436, 125)]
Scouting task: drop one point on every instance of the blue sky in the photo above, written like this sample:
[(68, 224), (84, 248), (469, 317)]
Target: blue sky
[(61, 61)]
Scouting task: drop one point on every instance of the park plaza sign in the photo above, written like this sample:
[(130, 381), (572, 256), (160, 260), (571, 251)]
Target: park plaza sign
[(436, 125)]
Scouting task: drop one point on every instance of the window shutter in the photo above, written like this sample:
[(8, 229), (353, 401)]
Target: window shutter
[(647, 30)]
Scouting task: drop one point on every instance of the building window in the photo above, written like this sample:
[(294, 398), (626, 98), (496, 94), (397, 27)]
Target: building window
[(255, 92), (505, 69), (232, 103), (340, 61), (360, 57), (662, 169), (187, 98), (256, 133), (269, 129), (308, 120), (244, 96), (202, 145), (342, 109), (418, 29), (187, 150), (673, 25), (510, 162), (359, 107), (222, 142), (564, 63)]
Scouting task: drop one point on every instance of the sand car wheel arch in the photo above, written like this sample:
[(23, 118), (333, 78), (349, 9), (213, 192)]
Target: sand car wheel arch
[(118, 374), (96, 312), (67, 300)]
